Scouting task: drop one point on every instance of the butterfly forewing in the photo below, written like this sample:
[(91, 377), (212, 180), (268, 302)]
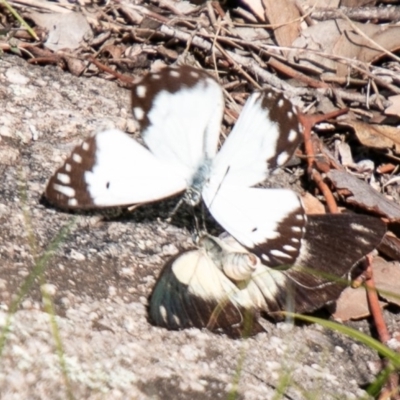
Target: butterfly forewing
[(265, 137), (111, 169), (180, 112)]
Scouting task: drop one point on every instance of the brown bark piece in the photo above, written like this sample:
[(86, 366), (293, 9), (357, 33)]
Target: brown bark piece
[(286, 15), (387, 280), (390, 246), (363, 195)]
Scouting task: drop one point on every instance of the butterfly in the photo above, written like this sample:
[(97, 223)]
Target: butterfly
[(179, 111), (221, 286)]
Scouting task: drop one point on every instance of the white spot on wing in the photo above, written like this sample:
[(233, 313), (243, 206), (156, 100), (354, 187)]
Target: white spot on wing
[(296, 229), (278, 253), (138, 112), (64, 178), (265, 257), (65, 190), (282, 158), (72, 202), (359, 228), (155, 76), (85, 146), (68, 167), (163, 313), (292, 136), (287, 247), (175, 74), (77, 158), (363, 241), (281, 102), (194, 74), (300, 217), (295, 240), (141, 91), (290, 114)]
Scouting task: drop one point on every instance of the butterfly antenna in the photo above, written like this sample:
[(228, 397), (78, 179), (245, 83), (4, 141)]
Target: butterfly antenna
[(219, 186)]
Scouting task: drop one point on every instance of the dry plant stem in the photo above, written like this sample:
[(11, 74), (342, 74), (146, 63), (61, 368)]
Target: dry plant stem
[(19, 19), (104, 68), (44, 5), (390, 390), (323, 187), (289, 71), (237, 66), (308, 121), (255, 69), (305, 15), (358, 14), (373, 302)]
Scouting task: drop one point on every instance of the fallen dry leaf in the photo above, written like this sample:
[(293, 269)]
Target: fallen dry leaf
[(65, 31), (351, 304), (393, 109), (363, 195), (339, 38), (375, 136), (387, 37), (312, 205), (256, 7), (286, 16)]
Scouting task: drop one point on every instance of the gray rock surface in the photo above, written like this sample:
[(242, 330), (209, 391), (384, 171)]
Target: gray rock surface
[(102, 272)]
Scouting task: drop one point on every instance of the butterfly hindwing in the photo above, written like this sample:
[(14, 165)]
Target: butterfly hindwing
[(192, 291), (111, 169), (268, 222)]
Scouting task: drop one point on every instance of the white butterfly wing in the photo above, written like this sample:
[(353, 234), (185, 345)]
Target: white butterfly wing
[(112, 169), (264, 137), (180, 112), (193, 291), (268, 222)]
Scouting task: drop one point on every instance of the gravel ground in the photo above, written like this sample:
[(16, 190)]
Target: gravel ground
[(102, 272)]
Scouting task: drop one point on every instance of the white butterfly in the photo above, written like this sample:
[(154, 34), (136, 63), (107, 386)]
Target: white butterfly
[(222, 287), (180, 112)]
